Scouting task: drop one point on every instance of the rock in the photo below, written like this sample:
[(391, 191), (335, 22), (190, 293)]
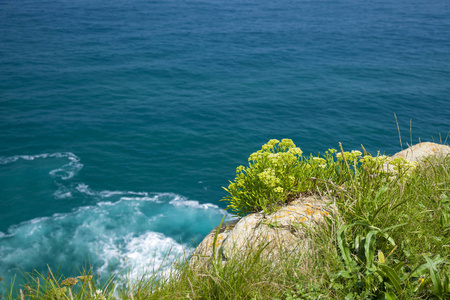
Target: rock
[(418, 153), (421, 151), (280, 232)]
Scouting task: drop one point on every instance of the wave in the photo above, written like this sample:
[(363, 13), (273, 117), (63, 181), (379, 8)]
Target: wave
[(65, 172), (121, 232), (135, 232)]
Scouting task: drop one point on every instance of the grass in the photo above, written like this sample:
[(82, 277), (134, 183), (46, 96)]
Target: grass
[(391, 240)]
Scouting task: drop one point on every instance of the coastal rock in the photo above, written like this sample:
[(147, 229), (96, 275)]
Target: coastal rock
[(280, 232), (418, 153), (423, 150)]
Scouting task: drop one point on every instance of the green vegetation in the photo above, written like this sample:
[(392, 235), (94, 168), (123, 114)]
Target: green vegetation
[(390, 240), (278, 173)]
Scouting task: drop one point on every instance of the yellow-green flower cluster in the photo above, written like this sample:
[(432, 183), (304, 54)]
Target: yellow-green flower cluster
[(295, 151), (398, 163), (374, 164), (287, 144), (331, 151), (281, 159), (374, 160), (269, 175), (269, 178), (240, 169), (352, 156), (277, 151), (291, 179), (269, 146), (278, 190), (402, 165), (321, 162)]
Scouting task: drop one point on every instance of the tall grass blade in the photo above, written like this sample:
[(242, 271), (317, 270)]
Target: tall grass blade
[(216, 235), (398, 129)]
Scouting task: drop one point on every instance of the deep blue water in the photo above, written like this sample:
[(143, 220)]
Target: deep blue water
[(120, 121)]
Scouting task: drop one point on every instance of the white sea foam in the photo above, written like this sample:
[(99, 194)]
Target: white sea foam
[(146, 254), (84, 188), (179, 201), (106, 203), (36, 220), (107, 194), (33, 230), (62, 194), (10, 159), (130, 228), (152, 199), (65, 172), (128, 195), (138, 193), (69, 170)]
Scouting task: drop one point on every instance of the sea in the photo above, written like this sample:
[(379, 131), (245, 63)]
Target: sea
[(121, 120)]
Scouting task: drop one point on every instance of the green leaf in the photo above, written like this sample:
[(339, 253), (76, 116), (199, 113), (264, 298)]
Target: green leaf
[(389, 296), (446, 284), (435, 278), (393, 277), (344, 274), (342, 243), (399, 265), (364, 223), (349, 297), (420, 270), (387, 236), (369, 247)]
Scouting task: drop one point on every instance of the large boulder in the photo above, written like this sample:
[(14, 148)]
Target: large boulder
[(281, 232), (421, 151)]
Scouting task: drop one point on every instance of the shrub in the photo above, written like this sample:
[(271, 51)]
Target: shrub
[(272, 175)]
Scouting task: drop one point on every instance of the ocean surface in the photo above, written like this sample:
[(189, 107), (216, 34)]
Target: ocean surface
[(120, 121)]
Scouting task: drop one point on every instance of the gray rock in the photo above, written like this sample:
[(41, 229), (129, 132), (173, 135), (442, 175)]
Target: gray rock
[(281, 232)]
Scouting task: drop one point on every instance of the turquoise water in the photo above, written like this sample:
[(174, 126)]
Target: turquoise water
[(121, 120)]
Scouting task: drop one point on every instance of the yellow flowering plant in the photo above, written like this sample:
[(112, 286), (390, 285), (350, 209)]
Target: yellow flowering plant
[(271, 176), (278, 172)]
